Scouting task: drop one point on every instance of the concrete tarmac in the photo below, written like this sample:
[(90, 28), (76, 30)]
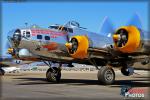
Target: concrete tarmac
[(74, 85)]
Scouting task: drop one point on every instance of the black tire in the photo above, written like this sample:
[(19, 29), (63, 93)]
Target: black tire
[(53, 76), (125, 72), (106, 75), (2, 72)]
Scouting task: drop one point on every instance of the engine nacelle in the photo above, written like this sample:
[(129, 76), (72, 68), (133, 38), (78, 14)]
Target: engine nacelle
[(78, 46), (127, 39)]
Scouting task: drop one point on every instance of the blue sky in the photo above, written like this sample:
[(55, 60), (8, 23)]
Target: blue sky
[(88, 14)]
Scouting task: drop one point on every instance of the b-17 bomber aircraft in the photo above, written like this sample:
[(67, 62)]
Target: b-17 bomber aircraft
[(70, 43)]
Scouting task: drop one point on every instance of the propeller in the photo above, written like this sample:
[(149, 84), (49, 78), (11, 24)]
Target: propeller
[(121, 36), (65, 32), (71, 24), (67, 36), (72, 45), (9, 46)]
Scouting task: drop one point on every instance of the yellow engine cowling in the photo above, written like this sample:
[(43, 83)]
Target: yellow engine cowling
[(133, 41), (82, 47)]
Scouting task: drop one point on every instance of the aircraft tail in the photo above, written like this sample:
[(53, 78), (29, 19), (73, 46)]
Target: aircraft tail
[(135, 20), (107, 27)]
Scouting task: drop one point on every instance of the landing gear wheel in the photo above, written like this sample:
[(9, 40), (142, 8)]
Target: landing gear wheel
[(53, 75), (2, 72), (106, 75), (127, 71)]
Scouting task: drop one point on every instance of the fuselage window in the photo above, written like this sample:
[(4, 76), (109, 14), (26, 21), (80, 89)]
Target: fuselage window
[(27, 34), (24, 33), (47, 38), (39, 36)]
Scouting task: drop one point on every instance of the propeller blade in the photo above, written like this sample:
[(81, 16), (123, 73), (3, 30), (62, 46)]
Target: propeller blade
[(67, 37), (74, 45), (136, 21), (107, 27)]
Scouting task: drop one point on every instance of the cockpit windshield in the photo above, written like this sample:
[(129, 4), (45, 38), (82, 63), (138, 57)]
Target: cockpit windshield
[(54, 27), (61, 28)]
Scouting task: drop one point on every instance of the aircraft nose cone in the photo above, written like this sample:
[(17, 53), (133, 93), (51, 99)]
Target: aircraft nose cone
[(17, 35), (14, 38)]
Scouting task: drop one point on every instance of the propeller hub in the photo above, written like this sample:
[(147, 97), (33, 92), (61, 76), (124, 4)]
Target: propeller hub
[(10, 50), (121, 37), (69, 45), (72, 45), (116, 37)]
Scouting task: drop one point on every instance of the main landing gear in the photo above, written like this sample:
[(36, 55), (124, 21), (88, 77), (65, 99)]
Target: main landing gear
[(53, 74), (106, 75), (127, 71)]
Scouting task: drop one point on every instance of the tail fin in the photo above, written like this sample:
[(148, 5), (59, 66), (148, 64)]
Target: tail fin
[(107, 27), (135, 21)]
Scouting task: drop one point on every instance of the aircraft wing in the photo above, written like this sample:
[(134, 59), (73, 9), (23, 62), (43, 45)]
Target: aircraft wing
[(104, 52), (9, 62)]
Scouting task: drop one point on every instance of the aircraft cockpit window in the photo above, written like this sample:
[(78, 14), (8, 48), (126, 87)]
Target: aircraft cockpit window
[(70, 30), (47, 38), (66, 29), (27, 34), (54, 27), (39, 36), (62, 28)]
